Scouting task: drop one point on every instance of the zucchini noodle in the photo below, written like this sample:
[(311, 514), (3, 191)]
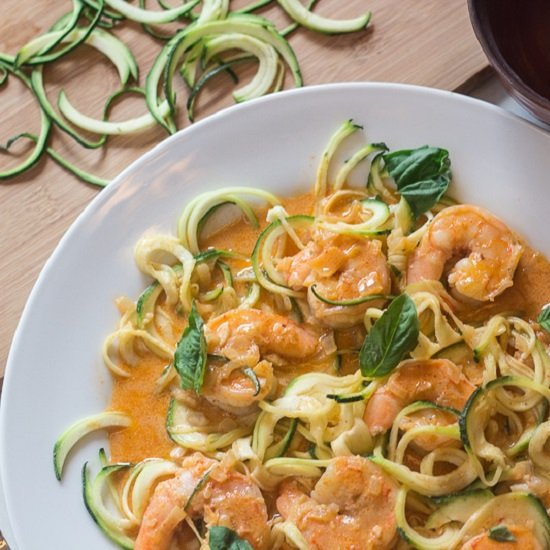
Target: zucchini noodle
[(148, 254), (206, 38), (295, 352), (266, 55), (196, 210)]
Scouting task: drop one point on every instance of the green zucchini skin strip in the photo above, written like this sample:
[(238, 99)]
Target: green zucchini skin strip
[(37, 84), (120, 55), (94, 5), (265, 53), (48, 58), (63, 27), (321, 181), (8, 59), (64, 163), (195, 213), (146, 302), (352, 302), (110, 128), (89, 491), (149, 30), (360, 395), (254, 26), (294, 25), (252, 375), (197, 489), (380, 212), (457, 507), (254, 6), (220, 69), (166, 62), (262, 277), (152, 82), (45, 128), (226, 66), (199, 441), (520, 381), (302, 15), (115, 50), (140, 15), (214, 253), (279, 449), (78, 172), (74, 433)]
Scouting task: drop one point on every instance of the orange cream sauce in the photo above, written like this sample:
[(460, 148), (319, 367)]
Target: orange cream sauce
[(136, 395), (531, 290)]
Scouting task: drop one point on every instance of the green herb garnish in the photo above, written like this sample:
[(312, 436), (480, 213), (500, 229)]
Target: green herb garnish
[(190, 355), (222, 538), (544, 318), (393, 336), (422, 175)]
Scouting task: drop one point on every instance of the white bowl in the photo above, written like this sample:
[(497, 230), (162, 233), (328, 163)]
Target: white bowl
[(55, 374)]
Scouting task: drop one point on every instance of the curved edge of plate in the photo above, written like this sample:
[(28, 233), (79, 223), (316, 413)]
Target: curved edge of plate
[(126, 174)]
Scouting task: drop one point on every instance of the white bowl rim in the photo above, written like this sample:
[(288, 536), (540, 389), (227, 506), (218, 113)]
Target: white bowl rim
[(211, 120)]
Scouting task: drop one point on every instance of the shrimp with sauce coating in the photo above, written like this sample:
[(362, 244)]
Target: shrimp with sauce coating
[(238, 390), (484, 251), (340, 267), (209, 489), (436, 380), (244, 337), (351, 506), (239, 330)]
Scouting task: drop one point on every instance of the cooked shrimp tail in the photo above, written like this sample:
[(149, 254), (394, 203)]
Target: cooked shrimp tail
[(351, 506), (484, 251), (208, 489)]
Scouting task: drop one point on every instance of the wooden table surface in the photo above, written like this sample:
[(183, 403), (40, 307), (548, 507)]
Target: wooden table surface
[(424, 42)]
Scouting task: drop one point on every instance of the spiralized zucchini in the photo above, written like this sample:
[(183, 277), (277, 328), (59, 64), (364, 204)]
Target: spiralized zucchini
[(446, 405), (208, 35), (45, 127), (199, 209), (264, 253), (176, 285)]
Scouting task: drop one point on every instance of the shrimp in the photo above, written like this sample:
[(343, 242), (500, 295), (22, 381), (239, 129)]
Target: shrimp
[(436, 380), (236, 390), (340, 268), (487, 252), (209, 489), (524, 538), (351, 507), (243, 337), (239, 331)]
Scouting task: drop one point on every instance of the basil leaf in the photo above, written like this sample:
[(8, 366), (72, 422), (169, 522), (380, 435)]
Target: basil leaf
[(544, 318), (423, 195), (422, 175), (393, 336), (222, 538), (501, 533), (412, 165), (190, 355)]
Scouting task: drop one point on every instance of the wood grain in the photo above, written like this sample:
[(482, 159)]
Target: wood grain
[(424, 42)]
